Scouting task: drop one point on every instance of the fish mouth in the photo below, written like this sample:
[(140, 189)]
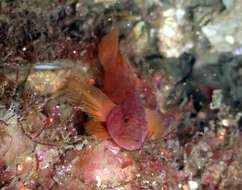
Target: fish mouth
[(129, 143)]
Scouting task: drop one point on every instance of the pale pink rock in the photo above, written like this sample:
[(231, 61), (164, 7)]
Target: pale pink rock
[(99, 165)]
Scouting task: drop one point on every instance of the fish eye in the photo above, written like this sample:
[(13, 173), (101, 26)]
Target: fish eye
[(126, 120)]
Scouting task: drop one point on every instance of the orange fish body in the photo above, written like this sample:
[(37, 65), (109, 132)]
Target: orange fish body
[(116, 73), (126, 123), (119, 105)]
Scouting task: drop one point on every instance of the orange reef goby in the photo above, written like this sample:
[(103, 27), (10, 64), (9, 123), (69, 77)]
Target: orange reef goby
[(117, 111)]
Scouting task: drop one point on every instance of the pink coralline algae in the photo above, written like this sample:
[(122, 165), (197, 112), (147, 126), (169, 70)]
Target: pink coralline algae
[(101, 165)]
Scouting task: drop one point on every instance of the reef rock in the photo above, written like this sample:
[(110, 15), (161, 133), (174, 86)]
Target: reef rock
[(224, 32)]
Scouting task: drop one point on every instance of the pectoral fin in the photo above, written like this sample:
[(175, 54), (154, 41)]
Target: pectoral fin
[(97, 129), (89, 98), (155, 123)]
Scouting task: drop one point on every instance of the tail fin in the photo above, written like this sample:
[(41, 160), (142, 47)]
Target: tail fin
[(108, 48), (89, 98)]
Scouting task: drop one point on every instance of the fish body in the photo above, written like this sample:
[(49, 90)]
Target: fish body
[(118, 104), (116, 80), (126, 123)]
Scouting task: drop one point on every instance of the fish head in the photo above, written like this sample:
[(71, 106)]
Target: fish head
[(128, 130)]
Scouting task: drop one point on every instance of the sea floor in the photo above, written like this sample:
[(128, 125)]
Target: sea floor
[(185, 56)]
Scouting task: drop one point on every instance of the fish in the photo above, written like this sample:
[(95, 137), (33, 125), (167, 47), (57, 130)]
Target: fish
[(117, 110)]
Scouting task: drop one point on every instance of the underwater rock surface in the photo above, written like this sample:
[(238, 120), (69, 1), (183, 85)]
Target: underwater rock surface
[(224, 31), (184, 62)]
